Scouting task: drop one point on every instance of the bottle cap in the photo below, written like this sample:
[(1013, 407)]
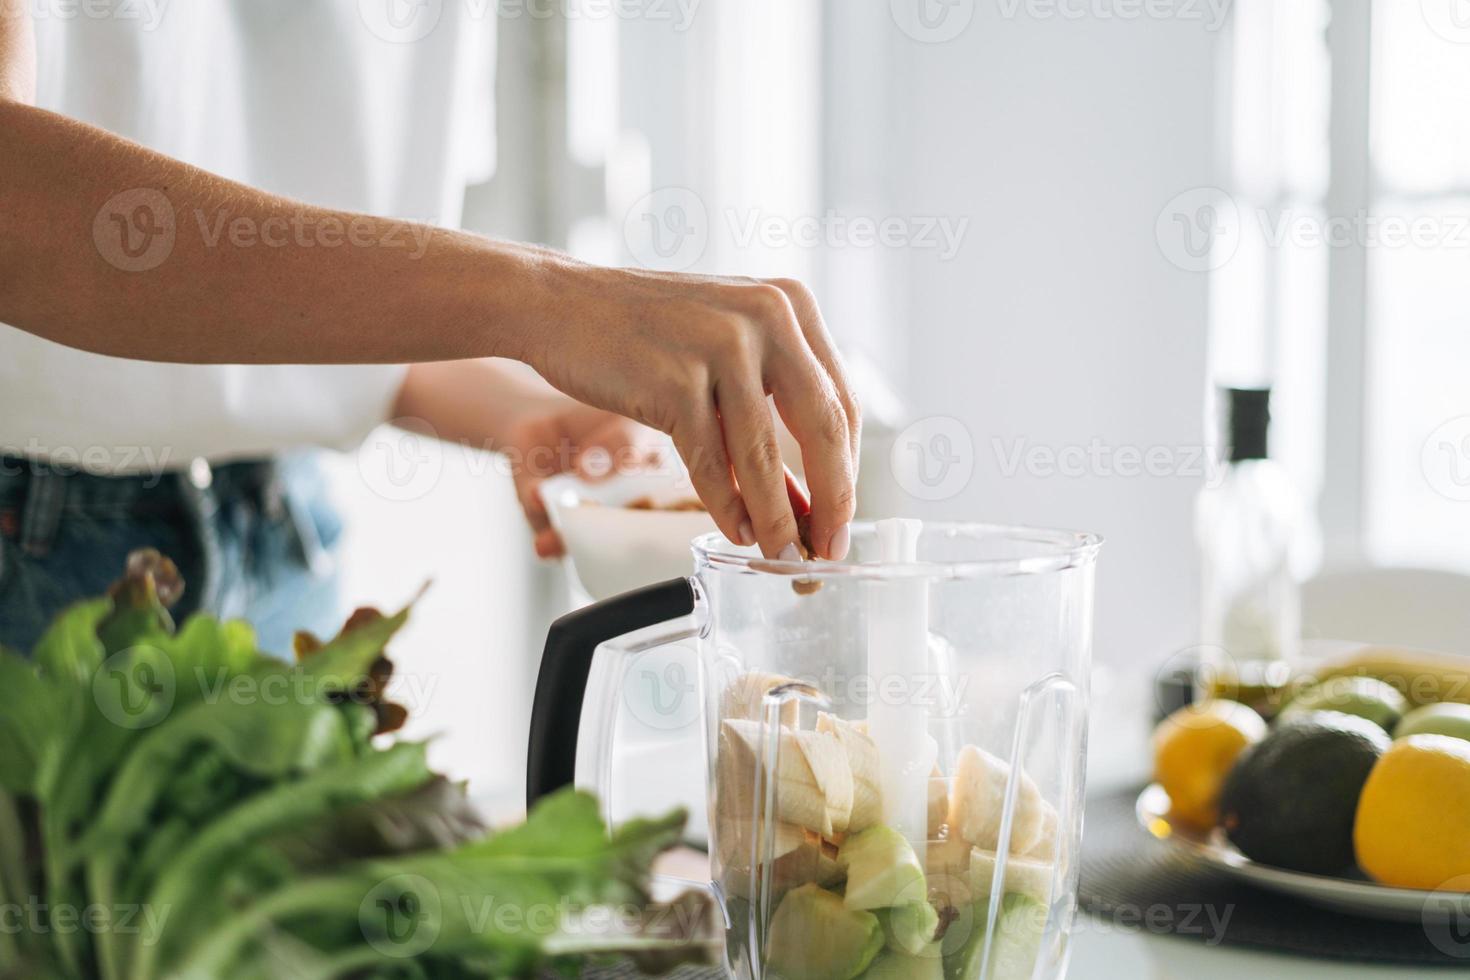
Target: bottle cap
[(1249, 418)]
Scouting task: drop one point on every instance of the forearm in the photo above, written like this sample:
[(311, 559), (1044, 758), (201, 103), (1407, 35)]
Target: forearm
[(249, 277), (17, 53), (477, 403)]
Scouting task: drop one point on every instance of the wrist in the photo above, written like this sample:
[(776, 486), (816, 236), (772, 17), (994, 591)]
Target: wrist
[(523, 300)]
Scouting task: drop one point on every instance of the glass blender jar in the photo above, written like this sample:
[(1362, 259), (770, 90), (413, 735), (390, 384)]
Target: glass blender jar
[(896, 743)]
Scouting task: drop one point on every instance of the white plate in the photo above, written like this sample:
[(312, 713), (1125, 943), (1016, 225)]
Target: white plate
[(1361, 898), (613, 549)]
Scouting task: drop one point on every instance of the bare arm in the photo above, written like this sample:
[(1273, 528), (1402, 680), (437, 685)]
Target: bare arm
[(110, 247)]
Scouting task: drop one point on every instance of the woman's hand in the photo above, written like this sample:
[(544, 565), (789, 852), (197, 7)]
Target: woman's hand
[(570, 437), (695, 357)]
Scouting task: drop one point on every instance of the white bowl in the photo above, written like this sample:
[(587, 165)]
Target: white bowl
[(613, 549)]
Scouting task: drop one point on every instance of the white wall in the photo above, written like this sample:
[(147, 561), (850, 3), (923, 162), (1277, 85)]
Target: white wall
[(1059, 321)]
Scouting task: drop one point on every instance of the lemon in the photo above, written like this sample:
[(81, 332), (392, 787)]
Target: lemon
[(1411, 827), (1194, 750)]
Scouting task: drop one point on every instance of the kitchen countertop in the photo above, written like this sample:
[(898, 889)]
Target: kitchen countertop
[(1101, 951)]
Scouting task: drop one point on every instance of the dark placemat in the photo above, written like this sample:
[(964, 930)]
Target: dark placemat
[(1134, 882), (629, 973)]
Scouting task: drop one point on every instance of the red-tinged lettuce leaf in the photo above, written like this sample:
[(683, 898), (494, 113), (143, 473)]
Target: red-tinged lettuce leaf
[(141, 599), (434, 816), (354, 667)]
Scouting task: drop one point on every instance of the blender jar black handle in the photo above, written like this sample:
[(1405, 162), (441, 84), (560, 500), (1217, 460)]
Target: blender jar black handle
[(561, 685)]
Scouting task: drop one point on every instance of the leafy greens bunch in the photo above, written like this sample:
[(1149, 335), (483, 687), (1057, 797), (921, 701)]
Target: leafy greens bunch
[(176, 804)]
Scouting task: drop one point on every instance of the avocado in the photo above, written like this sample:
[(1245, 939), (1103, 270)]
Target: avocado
[(910, 928), (1366, 697), (882, 870), (1291, 798), (1019, 927), (893, 965), (813, 936)]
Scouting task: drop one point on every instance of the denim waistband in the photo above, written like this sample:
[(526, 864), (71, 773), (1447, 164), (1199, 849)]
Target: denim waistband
[(35, 495)]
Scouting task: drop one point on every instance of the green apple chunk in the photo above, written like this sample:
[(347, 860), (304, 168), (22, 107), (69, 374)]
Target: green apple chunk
[(882, 870), (813, 936), (1019, 928), (894, 965), (910, 928)]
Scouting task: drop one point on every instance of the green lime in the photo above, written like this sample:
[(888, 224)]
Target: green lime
[(1436, 719), (1366, 697)]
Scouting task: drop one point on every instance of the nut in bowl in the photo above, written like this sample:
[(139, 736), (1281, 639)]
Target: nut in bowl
[(627, 531)]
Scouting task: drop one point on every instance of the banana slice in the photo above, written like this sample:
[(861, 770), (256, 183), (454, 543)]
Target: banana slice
[(744, 697), (938, 802), (978, 796), (862, 759), (814, 785), (812, 860), (734, 839), (1045, 848), (1024, 876)]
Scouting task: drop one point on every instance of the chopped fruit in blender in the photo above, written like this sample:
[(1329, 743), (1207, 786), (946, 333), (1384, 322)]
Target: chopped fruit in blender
[(862, 759), (1045, 849), (910, 928), (894, 965), (800, 857), (1019, 928), (814, 783), (960, 874), (882, 870), (744, 697), (938, 801), (1024, 876), (977, 803), (814, 936)]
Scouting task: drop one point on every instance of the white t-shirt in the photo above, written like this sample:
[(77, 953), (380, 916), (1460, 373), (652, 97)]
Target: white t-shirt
[(377, 106)]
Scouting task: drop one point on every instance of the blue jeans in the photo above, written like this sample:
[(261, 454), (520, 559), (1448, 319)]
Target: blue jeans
[(253, 540)]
